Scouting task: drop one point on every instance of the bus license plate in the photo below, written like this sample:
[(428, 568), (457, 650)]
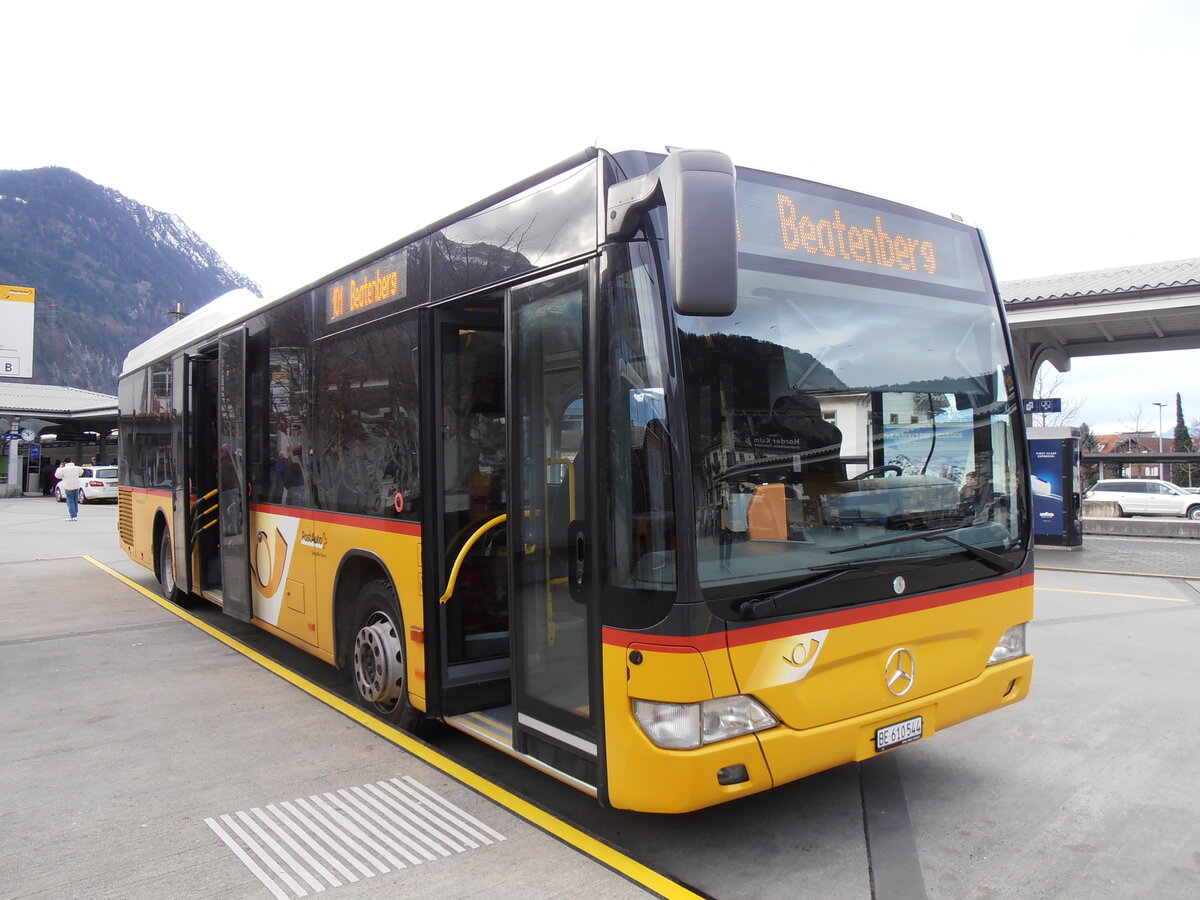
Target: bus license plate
[(901, 733)]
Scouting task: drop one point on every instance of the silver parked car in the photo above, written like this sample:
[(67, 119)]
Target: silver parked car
[(96, 483), (1146, 497)]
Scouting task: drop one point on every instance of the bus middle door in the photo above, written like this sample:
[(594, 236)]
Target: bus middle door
[(231, 474)]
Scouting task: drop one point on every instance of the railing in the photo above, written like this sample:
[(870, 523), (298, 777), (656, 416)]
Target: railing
[(1168, 464), (200, 512), (466, 548)]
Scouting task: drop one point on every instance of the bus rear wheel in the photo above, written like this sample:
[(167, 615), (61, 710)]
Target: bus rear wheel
[(377, 666)]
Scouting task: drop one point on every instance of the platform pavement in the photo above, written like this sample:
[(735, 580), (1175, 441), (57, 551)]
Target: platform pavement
[(1154, 556), (125, 728)]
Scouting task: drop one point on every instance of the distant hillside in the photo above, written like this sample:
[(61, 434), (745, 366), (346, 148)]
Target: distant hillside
[(106, 268)]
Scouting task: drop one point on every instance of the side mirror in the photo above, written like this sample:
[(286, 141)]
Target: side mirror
[(698, 189)]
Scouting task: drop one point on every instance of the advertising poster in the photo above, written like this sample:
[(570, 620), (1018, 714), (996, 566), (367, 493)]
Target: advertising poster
[(1046, 475)]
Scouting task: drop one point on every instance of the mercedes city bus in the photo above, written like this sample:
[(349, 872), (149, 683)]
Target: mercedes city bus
[(675, 480)]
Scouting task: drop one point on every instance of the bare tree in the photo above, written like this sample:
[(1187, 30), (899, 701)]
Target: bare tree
[(1047, 385), (1133, 430), (1138, 437)]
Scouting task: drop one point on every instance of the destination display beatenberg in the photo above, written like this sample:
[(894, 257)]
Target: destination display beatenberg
[(788, 223), (384, 282)]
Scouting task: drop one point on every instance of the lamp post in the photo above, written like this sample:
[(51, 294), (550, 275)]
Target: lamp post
[(1161, 467)]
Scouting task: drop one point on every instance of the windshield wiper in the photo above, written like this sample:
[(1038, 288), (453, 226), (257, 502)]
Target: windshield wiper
[(781, 602), (995, 560)]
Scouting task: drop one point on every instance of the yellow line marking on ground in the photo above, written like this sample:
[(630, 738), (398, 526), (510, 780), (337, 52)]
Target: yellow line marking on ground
[(1110, 594), (1106, 572), (568, 834)]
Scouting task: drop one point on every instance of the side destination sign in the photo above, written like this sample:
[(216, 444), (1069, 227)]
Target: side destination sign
[(788, 222), (385, 281)]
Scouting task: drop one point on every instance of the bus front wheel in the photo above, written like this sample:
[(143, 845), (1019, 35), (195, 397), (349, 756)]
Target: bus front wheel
[(166, 570), (377, 664)]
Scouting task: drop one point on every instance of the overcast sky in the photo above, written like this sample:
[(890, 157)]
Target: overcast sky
[(295, 137)]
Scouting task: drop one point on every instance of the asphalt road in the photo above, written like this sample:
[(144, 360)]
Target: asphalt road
[(1087, 789)]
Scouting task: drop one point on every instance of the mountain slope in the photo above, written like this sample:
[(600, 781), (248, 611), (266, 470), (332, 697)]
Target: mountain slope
[(107, 270)]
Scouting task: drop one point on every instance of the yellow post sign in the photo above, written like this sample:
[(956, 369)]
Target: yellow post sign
[(16, 331)]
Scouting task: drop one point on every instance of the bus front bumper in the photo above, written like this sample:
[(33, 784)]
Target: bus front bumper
[(650, 779)]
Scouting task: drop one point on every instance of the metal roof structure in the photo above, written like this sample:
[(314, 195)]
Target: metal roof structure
[(1131, 309), (44, 399), (1182, 273), (42, 405)]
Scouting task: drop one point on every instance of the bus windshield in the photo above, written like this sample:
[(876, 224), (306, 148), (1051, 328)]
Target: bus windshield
[(845, 411)]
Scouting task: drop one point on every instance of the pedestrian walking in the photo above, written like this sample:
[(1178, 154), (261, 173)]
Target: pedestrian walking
[(69, 474)]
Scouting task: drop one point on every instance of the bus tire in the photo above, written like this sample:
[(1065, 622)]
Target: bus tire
[(377, 667), (166, 570)]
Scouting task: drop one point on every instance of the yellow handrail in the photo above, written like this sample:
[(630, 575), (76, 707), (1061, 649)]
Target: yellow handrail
[(462, 554), (211, 493), (196, 511)]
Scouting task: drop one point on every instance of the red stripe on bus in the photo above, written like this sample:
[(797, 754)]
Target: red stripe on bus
[(407, 528), (837, 618), (155, 492), (411, 529)]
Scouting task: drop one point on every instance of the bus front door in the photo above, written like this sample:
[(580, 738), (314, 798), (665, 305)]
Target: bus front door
[(517, 636), (555, 627)]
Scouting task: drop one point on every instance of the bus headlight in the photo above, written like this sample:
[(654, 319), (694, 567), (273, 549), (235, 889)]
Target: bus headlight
[(686, 726), (1011, 645)]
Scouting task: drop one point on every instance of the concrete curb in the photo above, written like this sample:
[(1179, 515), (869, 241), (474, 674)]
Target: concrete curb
[(1144, 527)]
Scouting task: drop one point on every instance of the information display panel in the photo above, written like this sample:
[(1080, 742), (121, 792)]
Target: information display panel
[(382, 282), (796, 220)]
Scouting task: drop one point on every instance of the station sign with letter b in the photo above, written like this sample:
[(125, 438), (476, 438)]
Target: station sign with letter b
[(16, 331)]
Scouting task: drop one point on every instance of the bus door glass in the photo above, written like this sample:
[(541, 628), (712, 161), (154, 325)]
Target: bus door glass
[(204, 538), (181, 424), (547, 523), (473, 467), (231, 473)]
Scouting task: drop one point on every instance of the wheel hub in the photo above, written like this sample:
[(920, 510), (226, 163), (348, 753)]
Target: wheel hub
[(378, 661)]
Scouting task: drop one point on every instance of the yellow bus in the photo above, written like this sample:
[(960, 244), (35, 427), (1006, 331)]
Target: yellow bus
[(673, 479)]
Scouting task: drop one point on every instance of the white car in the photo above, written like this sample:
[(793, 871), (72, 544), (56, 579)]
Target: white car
[(1146, 497), (96, 483)]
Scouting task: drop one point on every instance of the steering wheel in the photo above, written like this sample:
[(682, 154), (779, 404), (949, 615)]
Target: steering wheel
[(879, 470)]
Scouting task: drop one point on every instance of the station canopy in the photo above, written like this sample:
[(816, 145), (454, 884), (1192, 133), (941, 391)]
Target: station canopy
[(66, 412), (1131, 309)]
